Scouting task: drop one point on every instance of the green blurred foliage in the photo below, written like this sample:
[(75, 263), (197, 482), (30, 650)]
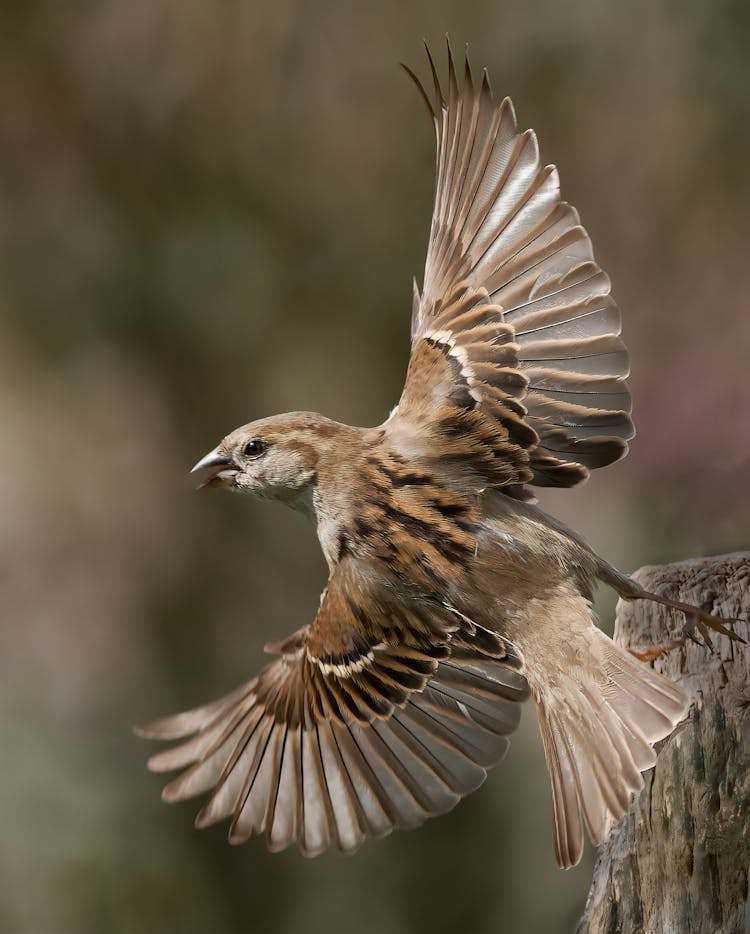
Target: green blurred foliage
[(212, 211)]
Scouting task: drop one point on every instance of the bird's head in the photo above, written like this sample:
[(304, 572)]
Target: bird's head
[(276, 458)]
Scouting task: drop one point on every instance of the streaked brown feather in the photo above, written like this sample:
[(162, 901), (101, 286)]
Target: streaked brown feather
[(365, 723), (501, 234)]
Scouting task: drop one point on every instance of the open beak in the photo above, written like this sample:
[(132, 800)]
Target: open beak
[(224, 470)]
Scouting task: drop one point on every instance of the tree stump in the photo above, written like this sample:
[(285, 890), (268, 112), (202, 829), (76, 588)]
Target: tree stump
[(678, 863)]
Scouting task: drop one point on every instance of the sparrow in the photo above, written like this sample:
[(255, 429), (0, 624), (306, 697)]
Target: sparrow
[(451, 598)]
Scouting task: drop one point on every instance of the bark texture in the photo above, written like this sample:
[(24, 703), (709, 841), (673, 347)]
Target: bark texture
[(678, 863)]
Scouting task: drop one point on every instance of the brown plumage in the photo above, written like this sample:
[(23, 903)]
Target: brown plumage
[(451, 597)]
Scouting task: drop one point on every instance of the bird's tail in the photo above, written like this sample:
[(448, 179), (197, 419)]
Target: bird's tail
[(600, 712)]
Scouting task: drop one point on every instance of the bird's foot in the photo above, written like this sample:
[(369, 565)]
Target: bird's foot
[(686, 633), (699, 625), (697, 629), (698, 622), (649, 655)]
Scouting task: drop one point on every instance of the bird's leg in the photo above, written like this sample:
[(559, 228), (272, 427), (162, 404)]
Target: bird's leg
[(695, 619), (698, 622)]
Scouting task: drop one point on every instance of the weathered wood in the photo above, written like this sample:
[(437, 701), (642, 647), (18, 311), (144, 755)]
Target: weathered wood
[(678, 864)]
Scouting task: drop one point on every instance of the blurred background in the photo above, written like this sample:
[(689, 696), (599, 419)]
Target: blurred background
[(211, 212)]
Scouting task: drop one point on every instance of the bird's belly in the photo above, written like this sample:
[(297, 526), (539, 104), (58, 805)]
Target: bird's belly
[(510, 582)]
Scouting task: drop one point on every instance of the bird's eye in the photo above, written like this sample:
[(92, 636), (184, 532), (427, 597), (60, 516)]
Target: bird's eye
[(255, 447)]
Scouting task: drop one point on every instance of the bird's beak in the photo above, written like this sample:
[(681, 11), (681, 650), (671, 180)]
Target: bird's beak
[(223, 476)]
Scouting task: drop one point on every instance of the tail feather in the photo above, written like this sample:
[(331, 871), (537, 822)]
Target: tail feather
[(598, 726), (564, 779)]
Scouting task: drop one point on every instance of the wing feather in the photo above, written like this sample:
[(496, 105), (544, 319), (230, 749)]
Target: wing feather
[(363, 724), (504, 250)]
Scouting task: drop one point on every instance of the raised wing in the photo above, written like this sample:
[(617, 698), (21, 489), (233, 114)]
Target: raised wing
[(515, 305), (376, 716)]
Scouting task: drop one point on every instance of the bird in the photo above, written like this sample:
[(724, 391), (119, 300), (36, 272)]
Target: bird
[(452, 597)]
